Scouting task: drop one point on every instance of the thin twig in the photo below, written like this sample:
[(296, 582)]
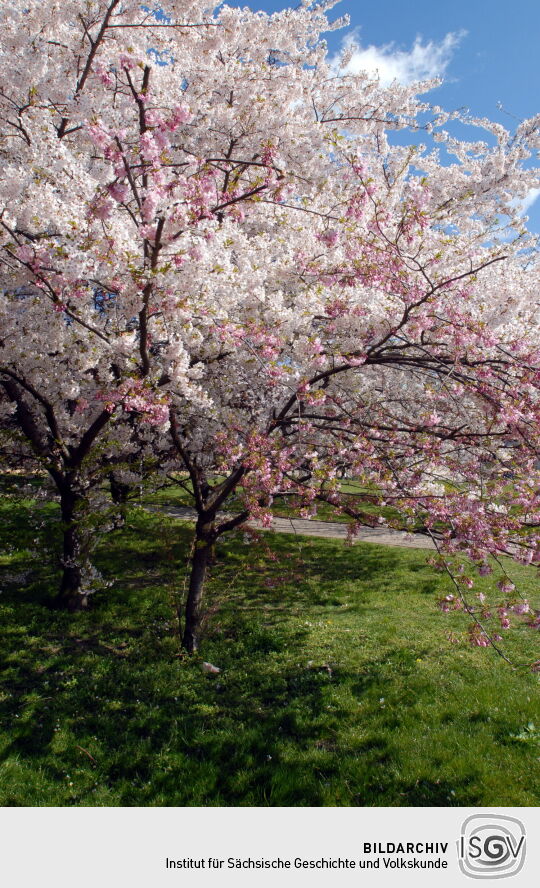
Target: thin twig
[(90, 756)]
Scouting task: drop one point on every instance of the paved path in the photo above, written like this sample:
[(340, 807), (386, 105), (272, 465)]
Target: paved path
[(328, 529)]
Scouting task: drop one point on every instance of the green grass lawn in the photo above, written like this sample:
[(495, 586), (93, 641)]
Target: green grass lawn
[(339, 685)]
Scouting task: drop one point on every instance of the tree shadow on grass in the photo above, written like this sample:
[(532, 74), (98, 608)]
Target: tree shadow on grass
[(156, 731), (103, 699), (305, 573), (119, 710)]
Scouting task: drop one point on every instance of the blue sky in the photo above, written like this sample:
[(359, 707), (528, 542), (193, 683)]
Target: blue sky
[(487, 52)]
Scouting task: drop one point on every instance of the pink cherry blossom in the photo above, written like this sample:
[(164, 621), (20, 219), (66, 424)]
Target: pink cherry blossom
[(207, 271)]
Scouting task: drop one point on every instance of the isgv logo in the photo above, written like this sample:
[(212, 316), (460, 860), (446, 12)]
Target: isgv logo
[(491, 846)]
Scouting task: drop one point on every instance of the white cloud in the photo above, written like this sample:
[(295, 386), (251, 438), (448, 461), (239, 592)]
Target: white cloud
[(532, 195), (422, 61), (523, 204)]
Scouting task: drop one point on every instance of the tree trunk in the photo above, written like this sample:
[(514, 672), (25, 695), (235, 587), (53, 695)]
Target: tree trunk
[(119, 495), (204, 540), (72, 595)]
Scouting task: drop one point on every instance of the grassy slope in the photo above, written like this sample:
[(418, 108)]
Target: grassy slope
[(338, 684)]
